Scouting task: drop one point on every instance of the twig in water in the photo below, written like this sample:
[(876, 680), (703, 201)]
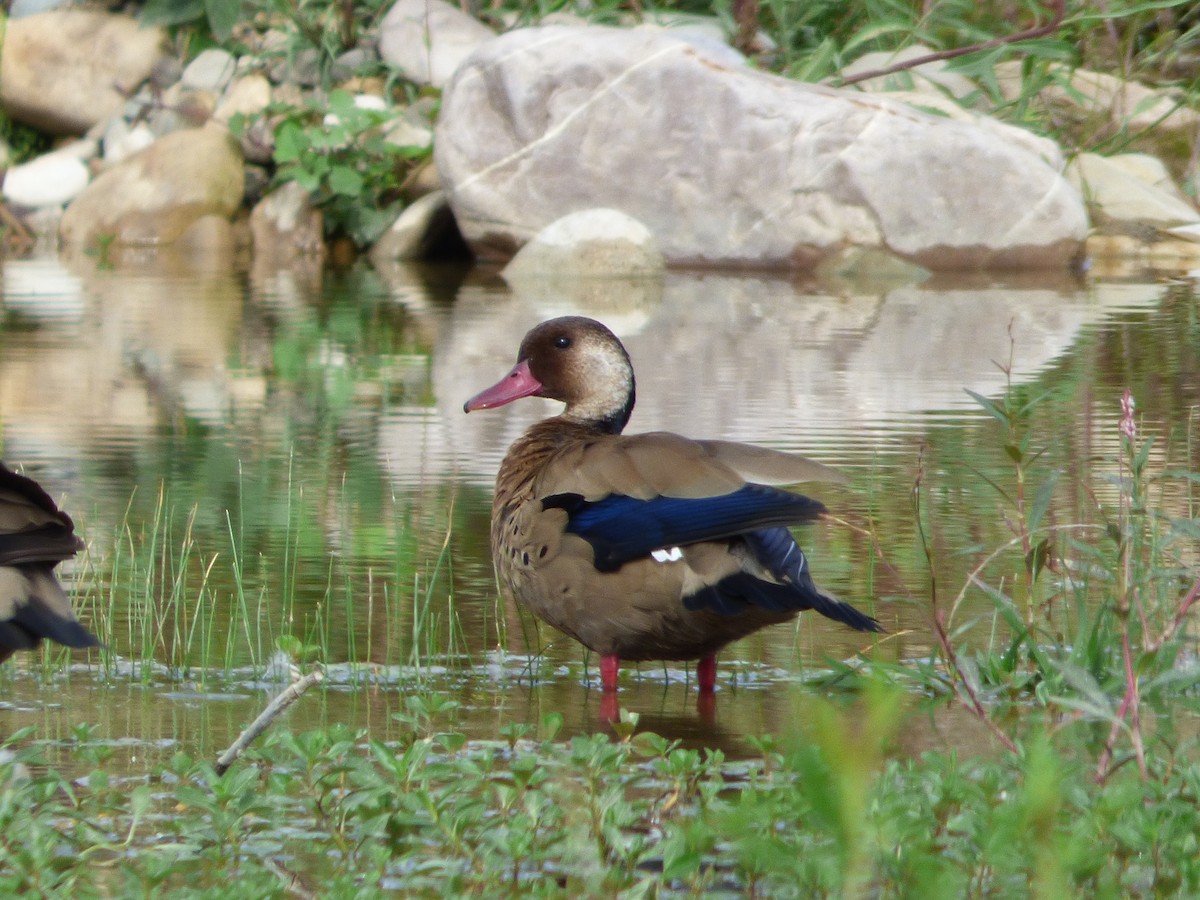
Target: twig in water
[(288, 879), (282, 701)]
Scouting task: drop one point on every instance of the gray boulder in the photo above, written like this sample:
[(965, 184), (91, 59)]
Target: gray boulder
[(730, 166), (66, 70), (155, 196)]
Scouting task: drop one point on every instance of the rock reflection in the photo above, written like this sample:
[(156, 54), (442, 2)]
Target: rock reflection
[(768, 360), (142, 345)]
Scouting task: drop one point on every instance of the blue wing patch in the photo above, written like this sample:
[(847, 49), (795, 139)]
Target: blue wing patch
[(621, 528)]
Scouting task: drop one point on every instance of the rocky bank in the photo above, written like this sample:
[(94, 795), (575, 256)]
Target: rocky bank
[(688, 155)]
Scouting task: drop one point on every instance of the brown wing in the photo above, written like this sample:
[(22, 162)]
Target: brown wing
[(766, 466), (660, 464), (34, 535), (32, 527)]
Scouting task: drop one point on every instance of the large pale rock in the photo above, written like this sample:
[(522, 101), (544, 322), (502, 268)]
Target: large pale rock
[(731, 166), (65, 70), (1132, 189), (427, 39), (155, 196)]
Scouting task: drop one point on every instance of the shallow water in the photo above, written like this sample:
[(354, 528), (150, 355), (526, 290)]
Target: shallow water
[(252, 454)]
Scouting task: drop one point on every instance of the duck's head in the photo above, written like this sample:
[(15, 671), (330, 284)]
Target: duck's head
[(575, 360)]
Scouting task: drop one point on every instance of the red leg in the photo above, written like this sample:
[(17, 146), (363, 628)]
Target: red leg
[(610, 707), (610, 665), (706, 674)]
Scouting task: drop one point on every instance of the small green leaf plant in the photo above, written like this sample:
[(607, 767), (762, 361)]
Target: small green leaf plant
[(338, 150)]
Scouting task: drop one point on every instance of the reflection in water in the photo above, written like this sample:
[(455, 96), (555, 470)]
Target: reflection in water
[(250, 454)]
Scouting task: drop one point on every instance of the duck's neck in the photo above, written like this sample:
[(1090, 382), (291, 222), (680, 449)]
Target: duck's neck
[(608, 414)]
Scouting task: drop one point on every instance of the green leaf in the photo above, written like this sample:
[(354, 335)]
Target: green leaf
[(223, 16), (1041, 501), (995, 411), (310, 181), (290, 142), (1037, 557), (341, 104), (345, 181), (171, 12)]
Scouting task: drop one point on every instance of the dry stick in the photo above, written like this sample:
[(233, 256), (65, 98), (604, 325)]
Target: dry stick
[(1129, 706), (282, 701), (1177, 622), (21, 238), (1104, 767), (288, 879), (1058, 7)]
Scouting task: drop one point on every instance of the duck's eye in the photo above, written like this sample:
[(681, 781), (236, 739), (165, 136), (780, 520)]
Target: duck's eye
[(562, 342)]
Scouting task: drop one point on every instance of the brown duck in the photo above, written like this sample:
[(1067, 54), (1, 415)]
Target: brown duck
[(647, 546), (35, 536)]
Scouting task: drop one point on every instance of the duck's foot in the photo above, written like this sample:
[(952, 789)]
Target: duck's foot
[(610, 666), (706, 674)]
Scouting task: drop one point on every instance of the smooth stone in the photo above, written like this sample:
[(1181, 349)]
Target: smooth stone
[(247, 96), (416, 230), (285, 225), (212, 70), (122, 140), (426, 40), (49, 180)]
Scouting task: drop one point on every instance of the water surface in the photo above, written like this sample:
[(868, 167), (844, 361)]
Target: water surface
[(255, 454)]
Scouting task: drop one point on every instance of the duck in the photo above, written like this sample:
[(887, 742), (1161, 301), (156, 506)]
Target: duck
[(35, 536), (648, 546)]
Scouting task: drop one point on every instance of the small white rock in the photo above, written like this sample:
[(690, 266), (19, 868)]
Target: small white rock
[(121, 140), (212, 71), (50, 180)]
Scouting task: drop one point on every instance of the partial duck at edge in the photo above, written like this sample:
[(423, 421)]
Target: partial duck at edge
[(647, 546), (35, 536)]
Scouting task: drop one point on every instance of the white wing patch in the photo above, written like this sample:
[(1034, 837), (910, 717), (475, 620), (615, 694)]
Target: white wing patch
[(671, 554)]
